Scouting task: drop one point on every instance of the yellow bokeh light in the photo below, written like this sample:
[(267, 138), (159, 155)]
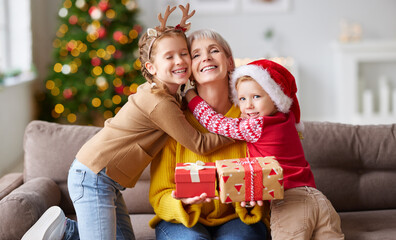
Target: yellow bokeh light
[(78, 61), (56, 43), (63, 52), (71, 117), (67, 4), (83, 48), (73, 67), (58, 67), (96, 24), (97, 70), (123, 39), (79, 45), (133, 34), (75, 52), (55, 91), (109, 69), (103, 87), (54, 114), (110, 13), (63, 28), (107, 114), (96, 102), (59, 34), (117, 82), (137, 64), (50, 84), (116, 99), (59, 108), (117, 110), (90, 38), (126, 67), (133, 88), (108, 103), (107, 56), (126, 91), (101, 53), (110, 49)]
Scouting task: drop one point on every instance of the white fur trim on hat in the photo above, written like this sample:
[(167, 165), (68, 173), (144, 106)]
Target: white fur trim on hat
[(261, 75)]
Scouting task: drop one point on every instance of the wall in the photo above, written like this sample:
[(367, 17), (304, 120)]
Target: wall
[(16, 112), (306, 33)]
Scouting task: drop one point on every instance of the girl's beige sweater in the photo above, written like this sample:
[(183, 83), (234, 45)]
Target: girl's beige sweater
[(129, 141)]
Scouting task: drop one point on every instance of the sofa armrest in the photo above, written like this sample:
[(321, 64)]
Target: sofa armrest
[(23, 207), (9, 182)]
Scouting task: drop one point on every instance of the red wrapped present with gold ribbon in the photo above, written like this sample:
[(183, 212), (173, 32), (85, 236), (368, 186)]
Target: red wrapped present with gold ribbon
[(249, 179), (193, 179)]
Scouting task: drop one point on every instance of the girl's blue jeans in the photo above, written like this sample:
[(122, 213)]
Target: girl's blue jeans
[(99, 205), (231, 230)]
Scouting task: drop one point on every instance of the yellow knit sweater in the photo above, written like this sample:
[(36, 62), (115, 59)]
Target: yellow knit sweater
[(211, 214)]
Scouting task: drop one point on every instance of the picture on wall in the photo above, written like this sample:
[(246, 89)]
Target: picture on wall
[(266, 6)]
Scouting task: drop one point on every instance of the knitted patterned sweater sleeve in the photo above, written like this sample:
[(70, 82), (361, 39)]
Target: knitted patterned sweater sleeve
[(237, 128)]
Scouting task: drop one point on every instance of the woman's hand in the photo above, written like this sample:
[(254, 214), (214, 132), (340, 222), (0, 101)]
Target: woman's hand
[(190, 94), (194, 200), (252, 203)]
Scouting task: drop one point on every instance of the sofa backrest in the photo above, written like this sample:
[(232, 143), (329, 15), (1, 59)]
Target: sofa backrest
[(353, 165), (50, 148)]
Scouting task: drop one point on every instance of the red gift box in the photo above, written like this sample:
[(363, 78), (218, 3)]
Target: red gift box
[(193, 179)]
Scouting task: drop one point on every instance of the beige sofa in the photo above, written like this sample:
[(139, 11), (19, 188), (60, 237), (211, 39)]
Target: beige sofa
[(355, 166)]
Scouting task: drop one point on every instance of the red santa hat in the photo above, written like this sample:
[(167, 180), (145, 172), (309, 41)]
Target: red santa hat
[(276, 80)]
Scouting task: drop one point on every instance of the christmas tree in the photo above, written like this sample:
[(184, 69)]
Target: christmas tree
[(96, 65)]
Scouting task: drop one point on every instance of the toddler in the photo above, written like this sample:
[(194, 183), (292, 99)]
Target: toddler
[(266, 94)]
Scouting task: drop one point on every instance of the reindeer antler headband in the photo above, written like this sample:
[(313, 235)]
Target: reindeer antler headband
[(182, 26)]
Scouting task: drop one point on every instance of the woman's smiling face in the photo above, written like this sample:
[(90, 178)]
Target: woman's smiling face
[(209, 61)]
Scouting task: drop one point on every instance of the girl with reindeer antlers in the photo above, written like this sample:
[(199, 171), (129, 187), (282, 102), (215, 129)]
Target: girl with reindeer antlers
[(116, 156)]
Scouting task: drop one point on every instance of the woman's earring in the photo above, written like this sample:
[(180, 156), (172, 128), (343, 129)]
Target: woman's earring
[(192, 83)]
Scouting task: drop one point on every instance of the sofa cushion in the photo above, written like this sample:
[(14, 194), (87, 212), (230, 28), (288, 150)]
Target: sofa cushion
[(24, 206), (50, 148), (368, 225), (354, 166)]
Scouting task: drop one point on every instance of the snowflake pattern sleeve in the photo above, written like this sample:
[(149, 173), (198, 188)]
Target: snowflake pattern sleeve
[(248, 130)]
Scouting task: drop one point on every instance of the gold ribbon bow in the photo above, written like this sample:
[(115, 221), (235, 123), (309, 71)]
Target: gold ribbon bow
[(194, 169)]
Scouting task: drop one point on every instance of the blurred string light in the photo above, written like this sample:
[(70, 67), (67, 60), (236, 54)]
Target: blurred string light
[(96, 60)]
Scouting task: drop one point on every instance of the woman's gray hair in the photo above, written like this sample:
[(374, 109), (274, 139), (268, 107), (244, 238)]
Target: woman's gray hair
[(210, 34)]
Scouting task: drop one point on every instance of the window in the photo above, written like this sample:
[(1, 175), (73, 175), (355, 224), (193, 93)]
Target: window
[(3, 35), (15, 37)]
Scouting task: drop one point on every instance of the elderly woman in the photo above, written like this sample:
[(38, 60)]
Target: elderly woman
[(201, 217)]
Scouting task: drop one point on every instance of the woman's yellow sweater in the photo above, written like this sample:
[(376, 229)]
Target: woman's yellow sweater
[(210, 214)]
